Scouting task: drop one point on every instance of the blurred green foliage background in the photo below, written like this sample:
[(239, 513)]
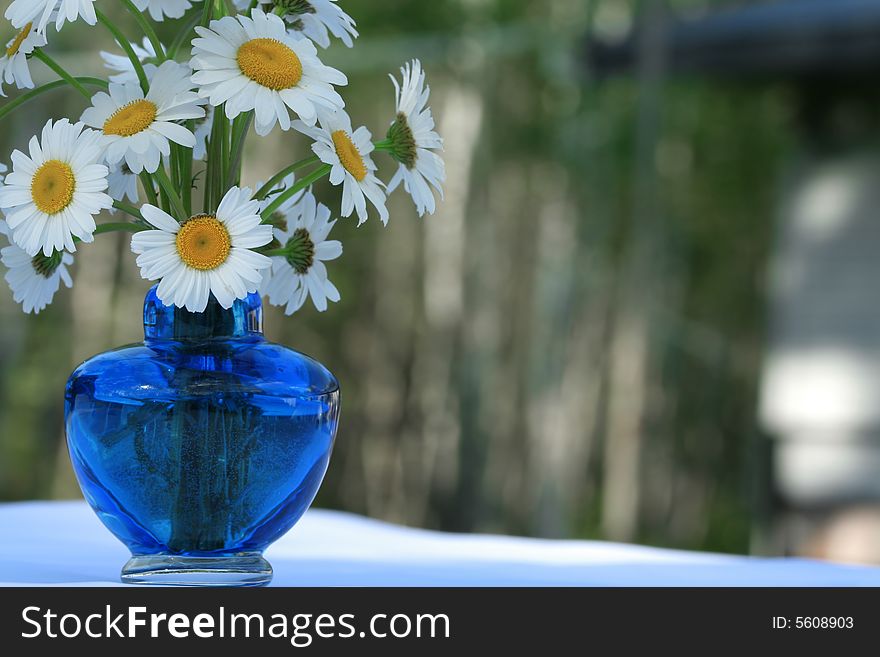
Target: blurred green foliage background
[(569, 348)]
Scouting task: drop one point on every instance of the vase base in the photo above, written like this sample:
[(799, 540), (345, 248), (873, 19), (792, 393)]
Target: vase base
[(248, 569)]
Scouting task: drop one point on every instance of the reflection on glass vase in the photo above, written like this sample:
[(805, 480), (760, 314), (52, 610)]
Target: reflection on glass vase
[(202, 445)]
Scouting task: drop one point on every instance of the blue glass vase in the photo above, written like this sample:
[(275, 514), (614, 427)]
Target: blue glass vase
[(202, 445)]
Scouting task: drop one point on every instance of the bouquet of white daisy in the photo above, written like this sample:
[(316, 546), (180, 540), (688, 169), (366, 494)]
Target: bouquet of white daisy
[(162, 144)]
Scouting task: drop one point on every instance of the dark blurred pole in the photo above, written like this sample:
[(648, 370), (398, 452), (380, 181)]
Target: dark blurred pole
[(636, 315)]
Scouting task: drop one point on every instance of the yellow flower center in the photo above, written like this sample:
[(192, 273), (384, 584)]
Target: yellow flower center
[(131, 119), (349, 155), (270, 63), (18, 40), (203, 242), (53, 186)]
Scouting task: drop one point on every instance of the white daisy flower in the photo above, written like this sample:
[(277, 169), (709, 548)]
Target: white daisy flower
[(414, 141), (203, 133), (253, 64), (22, 12), (124, 69), (3, 170), (302, 273), (123, 184), (53, 195), (348, 152), (207, 254), (14, 62), (34, 280), (315, 19), (138, 129), (322, 17), (161, 9)]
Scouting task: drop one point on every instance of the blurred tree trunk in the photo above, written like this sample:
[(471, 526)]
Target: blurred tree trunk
[(636, 317)]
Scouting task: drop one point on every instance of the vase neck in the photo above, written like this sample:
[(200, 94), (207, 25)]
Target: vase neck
[(161, 322)]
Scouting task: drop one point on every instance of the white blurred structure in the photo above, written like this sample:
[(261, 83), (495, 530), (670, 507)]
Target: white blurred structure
[(821, 386)]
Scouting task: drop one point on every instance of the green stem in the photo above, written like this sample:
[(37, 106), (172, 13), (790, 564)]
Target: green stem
[(126, 46), (239, 134), (147, 28), (207, 192), (384, 145), (128, 209), (310, 179), (224, 159), (34, 93), (64, 75), (183, 34), (166, 186), (208, 13), (119, 227), (165, 202), (175, 165), (219, 144), (281, 175), (186, 179), (149, 188)]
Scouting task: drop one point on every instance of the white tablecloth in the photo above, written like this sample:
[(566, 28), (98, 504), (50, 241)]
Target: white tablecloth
[(63, 543)]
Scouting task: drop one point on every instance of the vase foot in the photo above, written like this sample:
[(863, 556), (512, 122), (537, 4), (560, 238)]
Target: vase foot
[(248, 569)]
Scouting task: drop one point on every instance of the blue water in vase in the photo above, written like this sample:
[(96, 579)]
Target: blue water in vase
[(205, 441)]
